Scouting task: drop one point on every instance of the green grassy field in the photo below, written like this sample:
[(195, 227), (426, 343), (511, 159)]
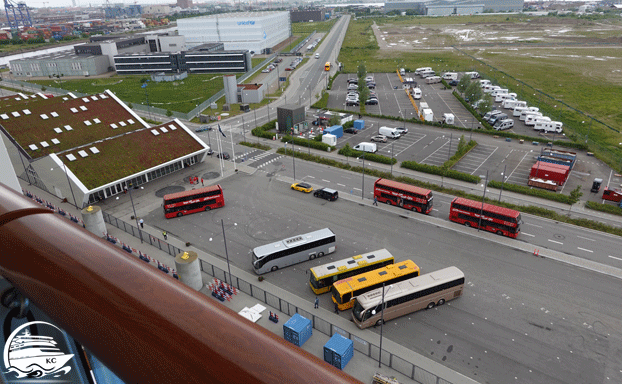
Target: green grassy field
[(182, 96), (319, 26)]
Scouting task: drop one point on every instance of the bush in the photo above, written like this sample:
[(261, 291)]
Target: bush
[(256, 145), (462, 150), (346, 150), (307, 143), (525, 190), (322, 103), (265, 130), (348, 124), (608, 208), (441, 171)]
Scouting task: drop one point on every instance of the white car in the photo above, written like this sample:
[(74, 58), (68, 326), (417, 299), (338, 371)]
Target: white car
[(402, 130), (317, 55)]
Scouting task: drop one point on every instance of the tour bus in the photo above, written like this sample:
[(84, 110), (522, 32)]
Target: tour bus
[(195, 200), (425, 291), (403, 195), (322, 277), (502, 221), (293, 250), (327, 66), (346, 290)]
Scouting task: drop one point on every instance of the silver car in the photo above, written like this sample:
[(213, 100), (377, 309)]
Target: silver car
[(379, 138)]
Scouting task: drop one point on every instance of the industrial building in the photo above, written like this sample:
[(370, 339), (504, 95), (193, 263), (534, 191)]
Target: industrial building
[(456, 7), (308, 15), (254, 31), (86, 149)]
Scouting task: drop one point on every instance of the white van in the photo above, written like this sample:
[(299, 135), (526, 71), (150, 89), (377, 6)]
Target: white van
[(423, 69), (391, 133), (417, 93), (450, 76), (366, 147), (525, 114), (531, 120), (518, 111), (433, 80), (548, 126), (511, 104), (402, 71), (472, 75), (484, 82), (503, 124), (426, 74)]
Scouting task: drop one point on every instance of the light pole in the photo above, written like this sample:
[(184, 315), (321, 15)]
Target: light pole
[(140, 233), (243, 129), (224, 239), (381, 323), (503, 177), (293, 158), (393, 143), (363, 182), (483, 196), (449, 150)]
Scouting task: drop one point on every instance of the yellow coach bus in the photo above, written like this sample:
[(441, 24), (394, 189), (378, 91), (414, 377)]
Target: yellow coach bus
[(346, 290), (321, 278)]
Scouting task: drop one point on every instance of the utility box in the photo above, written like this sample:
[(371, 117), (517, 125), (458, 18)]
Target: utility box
[(329, 139), (338, 351), (245, 107), (359, 124), (336, 130), (297, 330)]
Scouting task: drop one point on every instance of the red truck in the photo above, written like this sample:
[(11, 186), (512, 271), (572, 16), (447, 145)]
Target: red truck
[(612, 194)]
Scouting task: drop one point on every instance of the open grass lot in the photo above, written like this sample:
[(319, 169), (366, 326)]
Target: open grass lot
[(319, 26), (570, 67), (181, 96)]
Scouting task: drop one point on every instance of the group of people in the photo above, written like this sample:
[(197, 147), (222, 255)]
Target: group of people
[(195, 180)]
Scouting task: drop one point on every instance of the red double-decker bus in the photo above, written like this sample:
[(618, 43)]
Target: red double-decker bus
[(403, 195), (195, 200), (502, 221)]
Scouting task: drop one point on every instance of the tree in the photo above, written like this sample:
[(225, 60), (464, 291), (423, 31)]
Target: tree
[(361, 71), (334, 120), (575, 195), (464, 82), (43, 88), (486, 104), (473, 92), (169, 113)]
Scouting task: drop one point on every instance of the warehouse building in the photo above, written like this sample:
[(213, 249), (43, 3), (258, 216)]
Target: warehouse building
[(86, 149), (457, 7), (308, 15), (257, 32)]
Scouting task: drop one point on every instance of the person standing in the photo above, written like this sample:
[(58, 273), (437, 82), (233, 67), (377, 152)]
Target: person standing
[(164, 234), (375, 201), (142, 223), (202, 182), (317, 301)]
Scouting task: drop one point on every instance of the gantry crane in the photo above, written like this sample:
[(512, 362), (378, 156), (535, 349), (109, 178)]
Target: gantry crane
[(17, 14)]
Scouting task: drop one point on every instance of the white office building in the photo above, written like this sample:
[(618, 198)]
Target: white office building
[(253, 31)]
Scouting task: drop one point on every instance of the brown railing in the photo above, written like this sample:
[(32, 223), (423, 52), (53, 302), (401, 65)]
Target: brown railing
[(143, 325)]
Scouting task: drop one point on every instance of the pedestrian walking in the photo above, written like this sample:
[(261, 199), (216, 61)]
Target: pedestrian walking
[(336, 308), (164, 234), (142, 223), (317, 301), (202, 182), (375, 201)]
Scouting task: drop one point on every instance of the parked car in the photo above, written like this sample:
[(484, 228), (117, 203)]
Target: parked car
[(302, 187), (371, 102), (203, 128), (352, 103), (210, 152), (223, 155), (327, 193), (379, 138), (351, 130), (369, 78), (453, 82), (353, 87), (353, 80), (402, 130)]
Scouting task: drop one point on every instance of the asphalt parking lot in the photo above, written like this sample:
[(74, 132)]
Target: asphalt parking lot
[(433, 145)]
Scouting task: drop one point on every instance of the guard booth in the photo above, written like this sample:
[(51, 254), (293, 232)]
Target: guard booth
[(245, 107)]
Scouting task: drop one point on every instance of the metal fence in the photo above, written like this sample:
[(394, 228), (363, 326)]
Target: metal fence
[(302, 43)]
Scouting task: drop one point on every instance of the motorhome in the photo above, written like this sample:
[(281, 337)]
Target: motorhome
[(524, 114), (433, 80), (501, 125), (518, 111), (548, 126), (472, 75), (511, 104), (490, 114), (531, 120), (450, 76), (423, 69), (426, 74), (501, 97), (484, 82), (498, 91), (489, 88)]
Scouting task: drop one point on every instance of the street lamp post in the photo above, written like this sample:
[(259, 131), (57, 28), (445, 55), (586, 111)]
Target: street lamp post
[(393, 143), (503, 177), (483, 197), (363, 182), (140, 233), (381, 323)]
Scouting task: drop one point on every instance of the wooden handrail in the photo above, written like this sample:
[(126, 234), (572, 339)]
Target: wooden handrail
[(143, 325)]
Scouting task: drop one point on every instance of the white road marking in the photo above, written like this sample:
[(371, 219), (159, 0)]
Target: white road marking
[(613, 257), (341, 185), (312, 177), (585, 238), (527, 234), (557, 242), (586, 250), (326, 181), (484, 160)]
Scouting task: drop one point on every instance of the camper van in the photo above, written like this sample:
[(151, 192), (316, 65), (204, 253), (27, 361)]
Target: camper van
[(366, 147), (490, 88), (417, 93), (450, 76), (423, 69), (472, 75), (501, 125), (484, 82), (518, 111), (391, 133), (499, 91), (426, 74), (548, 126), (531, 120), (501, 97), (525, 114), (511, 104), (433, 80)]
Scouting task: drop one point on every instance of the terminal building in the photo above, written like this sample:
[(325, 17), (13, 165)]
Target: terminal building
[(453, 7), (257, 32), (86, 149)]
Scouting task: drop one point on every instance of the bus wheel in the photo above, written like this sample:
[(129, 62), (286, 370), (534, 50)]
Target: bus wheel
[(430, 306), (388, 202), (311, 257), (179, 214), (467, 223), (500, 233), (320, 254), (441, 302), (274, 268), (208, 208), (379, 322)]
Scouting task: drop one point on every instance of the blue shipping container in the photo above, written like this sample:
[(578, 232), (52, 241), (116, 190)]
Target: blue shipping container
[(336, 130), (297, 330), (359, 124), (338, 351), (556, 160)]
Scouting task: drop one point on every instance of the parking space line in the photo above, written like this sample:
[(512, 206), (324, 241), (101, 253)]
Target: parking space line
[(485, 160), (415, 142), (519, 163)]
